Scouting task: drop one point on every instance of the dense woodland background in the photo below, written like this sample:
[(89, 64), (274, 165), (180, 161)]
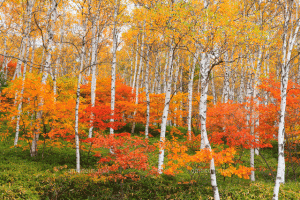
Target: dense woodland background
[(150, 99)]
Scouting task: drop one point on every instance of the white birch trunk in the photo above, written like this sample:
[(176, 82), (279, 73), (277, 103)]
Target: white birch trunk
[(4, 65), (280, 178), (181, 88), (159, 80), (20, 105), (203, 109), (130, 74), (203, 99), (256, 96), (26, 43), (165, 112), (114, 65), (164, 74), (62, 32), (136, 64), (199, 83), (42, 62), (52, 16), (93, 67), (288, 45), (175, 89), (213, 88), (190, 96), (241, 89), (232, 88), (32, 55), (138, 80), (142, 79), (156, 82), (249, 95), (147, 94), (226, 80), (21, 56), (82, 60)]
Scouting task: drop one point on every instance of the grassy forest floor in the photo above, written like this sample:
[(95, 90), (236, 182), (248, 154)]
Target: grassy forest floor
[(48, 176)]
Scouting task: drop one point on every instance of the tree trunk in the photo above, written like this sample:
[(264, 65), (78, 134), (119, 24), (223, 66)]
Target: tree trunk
[(114, 65), (136, 63), (226, 88), (190, 95), (255, 97), (32, 55), (213, 88), (241, 89), (52, 16), (147, 94), (138, 80), (93, 67), (164, 74), (288, 45), (249, 114), (203, 108), (4, 66), (26, 43), (62, 32), (165, 112)]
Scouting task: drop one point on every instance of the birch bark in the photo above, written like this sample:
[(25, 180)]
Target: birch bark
[(288, 45), (25, 39), (32, 55), (26, 43), (175, 89), (242, 88), (138, 80), (213, 88), (52, 16), (82, 58), (136, 63), (226, 80), (256, 96), (249, 95), (4, 66), (164, 74), (203, 108), (147, 94), (114, 65), (156, 82), (94, 47), (190, 95), (62, 32), (166, 111)]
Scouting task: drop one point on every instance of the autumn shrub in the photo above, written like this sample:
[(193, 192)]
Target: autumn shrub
[(124, 106), (127, 153)]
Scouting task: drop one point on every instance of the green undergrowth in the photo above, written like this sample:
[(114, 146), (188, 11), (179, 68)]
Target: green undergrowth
[(52, 177)]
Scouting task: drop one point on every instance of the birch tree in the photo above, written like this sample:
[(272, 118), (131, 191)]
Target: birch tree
[(166, 109), (114, 63), (205, 69), (137, 86), (24, 51), (291, 26), (147, 93), (190, 95), (94, 47), (58, 60), (51, 18)]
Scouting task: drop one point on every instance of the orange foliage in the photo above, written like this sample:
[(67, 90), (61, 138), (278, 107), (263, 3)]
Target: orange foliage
[(179, 158)]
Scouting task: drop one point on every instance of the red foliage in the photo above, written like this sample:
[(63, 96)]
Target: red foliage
[(128, 152), (102, 112)]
